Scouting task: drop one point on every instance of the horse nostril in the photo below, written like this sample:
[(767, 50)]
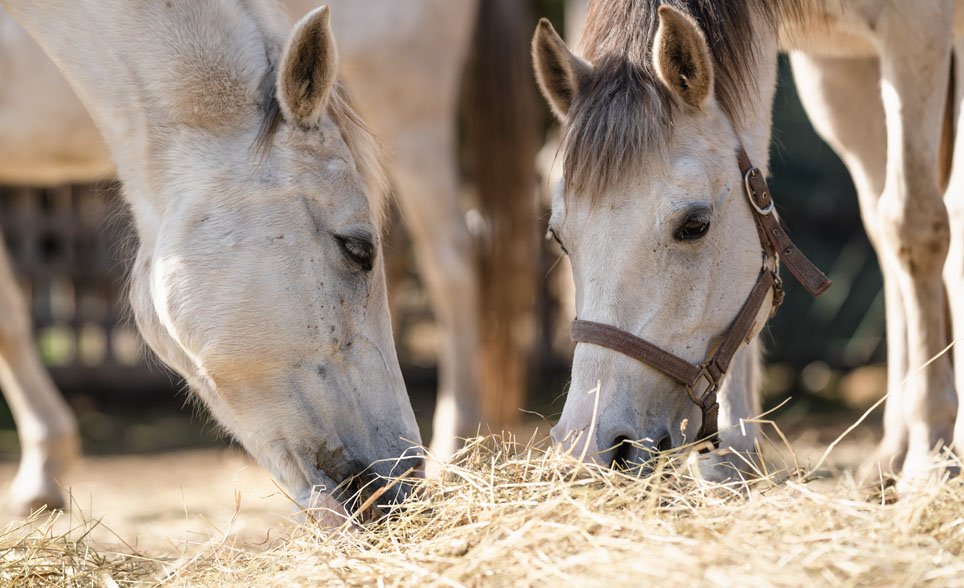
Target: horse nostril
[(633, 455), (665, 444), (392, 481), (624, 453)]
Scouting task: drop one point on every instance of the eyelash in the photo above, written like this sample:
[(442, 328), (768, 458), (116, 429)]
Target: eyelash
[(360, 251), (685, 233), (551, 234)]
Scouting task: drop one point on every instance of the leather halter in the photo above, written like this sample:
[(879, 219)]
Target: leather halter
[(703, 381)]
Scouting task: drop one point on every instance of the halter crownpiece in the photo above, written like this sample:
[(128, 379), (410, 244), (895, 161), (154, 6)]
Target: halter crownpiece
[(703, 381)]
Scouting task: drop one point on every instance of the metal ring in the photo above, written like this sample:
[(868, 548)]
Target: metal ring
[(749, 193), (712, 386)]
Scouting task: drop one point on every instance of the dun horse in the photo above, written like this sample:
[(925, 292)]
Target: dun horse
[(666, 109), (258, 196)]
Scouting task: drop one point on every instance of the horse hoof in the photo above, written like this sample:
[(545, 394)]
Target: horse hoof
[(22, 505), (877, 476), (881, 481), (925, 468), (35, 485)]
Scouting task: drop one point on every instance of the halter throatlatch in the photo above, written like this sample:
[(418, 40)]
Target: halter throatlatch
[(702, 382)]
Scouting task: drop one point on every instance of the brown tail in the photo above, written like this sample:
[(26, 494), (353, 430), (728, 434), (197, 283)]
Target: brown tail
[(500, 110)]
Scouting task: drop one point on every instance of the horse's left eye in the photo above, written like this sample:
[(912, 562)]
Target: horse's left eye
[(693, 228), (359, 251)]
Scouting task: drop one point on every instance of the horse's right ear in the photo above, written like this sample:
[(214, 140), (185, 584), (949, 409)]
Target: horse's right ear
[(559, 72), (309, 67)]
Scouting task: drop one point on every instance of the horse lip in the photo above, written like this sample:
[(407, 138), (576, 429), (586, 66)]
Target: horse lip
[(318, 484), (320, 506), (315, 482), (346, 493), (321, 483)]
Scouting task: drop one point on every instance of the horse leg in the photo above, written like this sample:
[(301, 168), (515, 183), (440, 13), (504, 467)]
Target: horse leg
[(49, 443), (954, 267), (842, 98), (739, 402), (428, 197), (407, 81), (915, 43)]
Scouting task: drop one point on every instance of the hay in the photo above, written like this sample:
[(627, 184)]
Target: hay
[(509, 514), (32, 554)]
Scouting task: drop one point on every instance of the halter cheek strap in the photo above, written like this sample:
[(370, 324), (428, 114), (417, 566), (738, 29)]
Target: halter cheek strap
[(777, 244), (702, 381)]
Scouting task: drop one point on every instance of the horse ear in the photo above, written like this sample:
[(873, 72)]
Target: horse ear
[(309, 67), (682, 57), (558, 71)]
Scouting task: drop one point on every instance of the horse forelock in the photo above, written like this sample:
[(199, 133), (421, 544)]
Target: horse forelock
[(360, 140), (622, 116)]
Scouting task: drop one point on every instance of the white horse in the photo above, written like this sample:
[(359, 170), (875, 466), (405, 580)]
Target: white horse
[(403, 62), (408, 91), (654, 111), (257, 195)]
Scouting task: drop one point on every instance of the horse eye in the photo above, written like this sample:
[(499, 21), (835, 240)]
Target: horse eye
[(693, 228), (359, 251), (551, 234)]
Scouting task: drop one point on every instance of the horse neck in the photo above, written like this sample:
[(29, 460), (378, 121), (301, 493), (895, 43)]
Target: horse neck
[(140, 68)]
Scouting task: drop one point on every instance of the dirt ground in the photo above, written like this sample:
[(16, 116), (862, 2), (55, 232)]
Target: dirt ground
[(163, 504), (167, 504)]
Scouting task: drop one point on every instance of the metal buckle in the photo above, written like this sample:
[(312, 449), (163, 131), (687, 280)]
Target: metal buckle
[(711, 386), (752, 173)]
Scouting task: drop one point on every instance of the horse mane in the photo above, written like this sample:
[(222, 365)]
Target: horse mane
[(361, 141), (623, 113)]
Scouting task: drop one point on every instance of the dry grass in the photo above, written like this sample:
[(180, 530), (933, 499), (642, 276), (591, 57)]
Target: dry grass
[(33, 554), (509, 514)]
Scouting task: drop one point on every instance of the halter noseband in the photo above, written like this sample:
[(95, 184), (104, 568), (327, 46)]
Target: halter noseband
[(703, 381)]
